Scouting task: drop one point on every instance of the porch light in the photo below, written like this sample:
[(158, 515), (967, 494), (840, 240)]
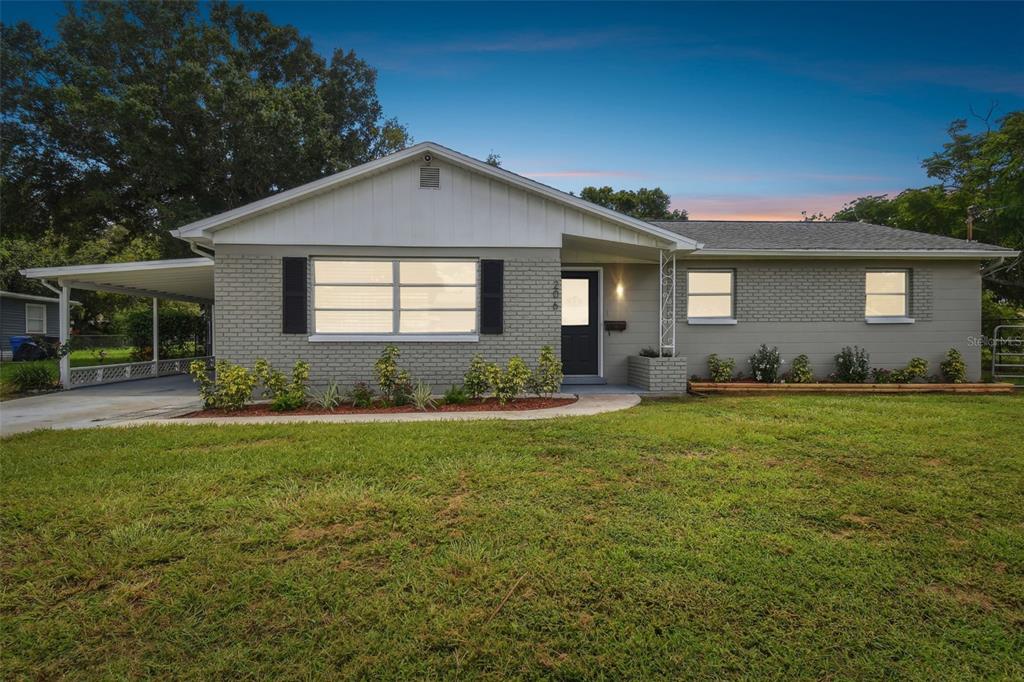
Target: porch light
[(619, 291)]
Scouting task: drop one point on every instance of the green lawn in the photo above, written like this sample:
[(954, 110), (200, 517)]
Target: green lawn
[(816, 537)]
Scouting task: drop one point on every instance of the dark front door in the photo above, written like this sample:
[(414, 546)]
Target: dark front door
[(580, 334)]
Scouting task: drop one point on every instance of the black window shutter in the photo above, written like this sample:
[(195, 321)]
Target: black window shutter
[(293, 299), (492, 296)]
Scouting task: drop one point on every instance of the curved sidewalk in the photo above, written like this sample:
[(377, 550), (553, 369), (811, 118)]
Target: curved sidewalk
[(585, 406)]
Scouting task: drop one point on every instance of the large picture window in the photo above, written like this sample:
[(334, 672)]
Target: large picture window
[(886, 294), (394, 296), (709, 295)]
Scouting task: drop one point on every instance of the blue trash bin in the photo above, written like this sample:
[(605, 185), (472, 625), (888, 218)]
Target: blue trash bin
[(16, 342)]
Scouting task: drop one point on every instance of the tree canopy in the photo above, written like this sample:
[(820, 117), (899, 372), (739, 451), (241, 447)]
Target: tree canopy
[(644, 203), (142, 116)]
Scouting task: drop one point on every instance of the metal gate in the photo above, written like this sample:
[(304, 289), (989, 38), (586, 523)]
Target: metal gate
[(1008, 352)]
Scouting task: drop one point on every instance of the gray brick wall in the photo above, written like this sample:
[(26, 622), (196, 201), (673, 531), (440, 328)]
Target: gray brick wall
[(823, 292), (658, 375), (248, 322)]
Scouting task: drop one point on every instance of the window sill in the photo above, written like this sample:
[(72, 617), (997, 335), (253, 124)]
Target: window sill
[(711, 320), (889, 320), (393, 338)]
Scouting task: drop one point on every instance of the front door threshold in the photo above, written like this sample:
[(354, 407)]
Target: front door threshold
[(585, 380)]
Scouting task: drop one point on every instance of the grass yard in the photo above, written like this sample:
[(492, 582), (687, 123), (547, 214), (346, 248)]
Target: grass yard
[(800, 537)]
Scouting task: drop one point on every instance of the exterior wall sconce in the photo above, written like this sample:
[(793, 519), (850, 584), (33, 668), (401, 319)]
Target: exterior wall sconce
[(619, 291)]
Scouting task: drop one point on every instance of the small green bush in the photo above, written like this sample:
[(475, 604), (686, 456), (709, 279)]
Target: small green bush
[(764, 364), (284, 395), (881, 375), (510, 382), (800, 372), (33, 376), (423, 397), (395, 384), (230, 389), (954, 369), (330, 397), (917, 368), (650, 352), (547, 378), (361, 395), (720, 370), (456, 395), (851, 365), (476, 382)]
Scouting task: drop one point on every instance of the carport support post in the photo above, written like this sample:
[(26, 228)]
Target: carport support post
[(64, 311), (156, 337)]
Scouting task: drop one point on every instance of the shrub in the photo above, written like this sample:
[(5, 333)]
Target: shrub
[(880, 375), (395, 384), (852, 365), (510, 382), (547, 378), (650, 352), (361, 395), (475, 382), (953, 368), (423, 397), (330, 397), (720, 370), (456, 395), (33, 376), (917, 368), (800, 372), (284, 394), (230, 388), (764, 364), (180, 329)]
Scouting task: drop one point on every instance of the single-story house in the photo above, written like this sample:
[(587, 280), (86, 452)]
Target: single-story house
[(26, 315), (448, 257)]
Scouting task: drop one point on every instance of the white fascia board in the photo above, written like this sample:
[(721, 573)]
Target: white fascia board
[(203, 228), (962, 254), (101, 268)]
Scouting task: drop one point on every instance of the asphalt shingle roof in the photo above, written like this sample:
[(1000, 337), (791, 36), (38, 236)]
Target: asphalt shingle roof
[(841, 236)]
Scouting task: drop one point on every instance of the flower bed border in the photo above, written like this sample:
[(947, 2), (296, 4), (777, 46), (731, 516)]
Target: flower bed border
[(752, 387)]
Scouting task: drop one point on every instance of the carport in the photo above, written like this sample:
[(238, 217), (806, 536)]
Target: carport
[(184, 279)]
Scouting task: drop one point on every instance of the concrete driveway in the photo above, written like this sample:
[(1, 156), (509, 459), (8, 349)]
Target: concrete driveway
[(100, 405)]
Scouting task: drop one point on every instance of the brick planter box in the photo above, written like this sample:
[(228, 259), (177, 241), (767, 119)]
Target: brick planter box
[(658, 375), (750, 387)]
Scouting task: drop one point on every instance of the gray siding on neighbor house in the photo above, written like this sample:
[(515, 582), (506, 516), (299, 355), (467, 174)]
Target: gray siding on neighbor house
[(812, 307), (248, 316), (12, 320)]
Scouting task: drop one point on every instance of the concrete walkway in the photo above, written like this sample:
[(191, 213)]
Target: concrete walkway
[(100, 405), (585, 406)]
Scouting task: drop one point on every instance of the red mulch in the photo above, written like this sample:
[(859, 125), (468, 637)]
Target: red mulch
[(488, 405)]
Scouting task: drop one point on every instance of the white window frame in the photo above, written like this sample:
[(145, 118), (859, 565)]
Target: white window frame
[(32, 331), (396, 309), (889, 319), (725, 319)]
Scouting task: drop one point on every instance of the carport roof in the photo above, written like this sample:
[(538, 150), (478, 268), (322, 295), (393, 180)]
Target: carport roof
[(183, 279)]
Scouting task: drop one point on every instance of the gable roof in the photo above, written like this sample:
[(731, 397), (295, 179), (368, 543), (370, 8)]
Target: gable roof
[(722, 237), (202, 228)]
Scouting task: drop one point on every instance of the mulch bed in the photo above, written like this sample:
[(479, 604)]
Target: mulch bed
[(487, 405)]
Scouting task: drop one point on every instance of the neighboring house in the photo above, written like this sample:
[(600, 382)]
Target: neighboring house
[(448, 257), (26, 315)]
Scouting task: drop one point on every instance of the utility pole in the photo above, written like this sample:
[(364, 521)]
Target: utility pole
[(970, 222)]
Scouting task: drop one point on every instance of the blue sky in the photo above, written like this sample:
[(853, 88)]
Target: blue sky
[(736, 110)]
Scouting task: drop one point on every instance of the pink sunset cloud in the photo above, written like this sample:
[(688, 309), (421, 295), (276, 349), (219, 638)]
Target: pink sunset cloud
[(732, 207)]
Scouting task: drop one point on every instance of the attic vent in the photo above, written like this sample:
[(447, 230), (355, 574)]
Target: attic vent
[(430, 178)]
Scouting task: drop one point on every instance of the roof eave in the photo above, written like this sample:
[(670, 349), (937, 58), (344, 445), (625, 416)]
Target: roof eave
[(965, 254)]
